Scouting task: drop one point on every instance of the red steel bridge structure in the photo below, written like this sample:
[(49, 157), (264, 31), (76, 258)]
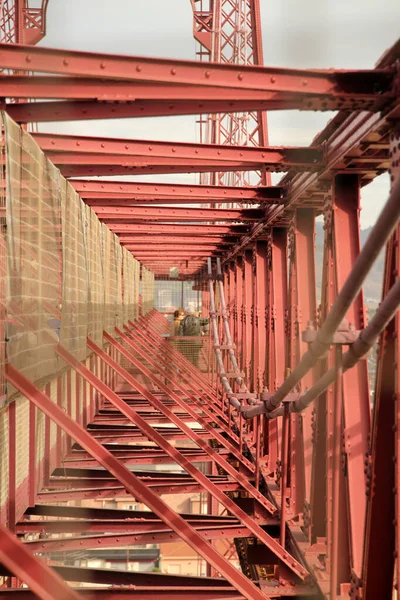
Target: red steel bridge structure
[(301, 474)]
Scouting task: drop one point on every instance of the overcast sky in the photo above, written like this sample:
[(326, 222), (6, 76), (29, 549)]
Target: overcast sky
[(296, 33)]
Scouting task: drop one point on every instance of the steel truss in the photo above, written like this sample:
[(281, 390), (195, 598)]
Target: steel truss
[(301, 476)]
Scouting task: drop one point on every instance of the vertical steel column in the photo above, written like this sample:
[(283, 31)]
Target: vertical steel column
[(231, 297), (337, 443), (239, 310), (260, 294), (323, 485), (356, 402), (382, 462), (301, 312), (254, 325), (12, 467), (32, 455), (247, 311), (276, 330)]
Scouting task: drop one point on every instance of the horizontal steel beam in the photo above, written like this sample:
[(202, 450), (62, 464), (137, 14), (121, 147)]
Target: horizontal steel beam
[(136, 537), (345, 134), (149, 229), (171, 248), (96, 199), (138, 593), (171, 240), (107, 514), (131, 483), (362, 84), (45, 112), (62, 147), (178, 214), (137, 580), (149, 96), (160, 167), (116, 526), (140, 189), (185, 255), (20, 562), (89, 88)]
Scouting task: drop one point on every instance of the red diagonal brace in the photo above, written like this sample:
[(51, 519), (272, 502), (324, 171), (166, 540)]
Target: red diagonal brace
[(190, 393), (43, 581), (132, 484), (208, 486)]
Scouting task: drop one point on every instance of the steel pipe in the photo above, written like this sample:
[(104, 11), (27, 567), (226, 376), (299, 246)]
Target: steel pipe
[(356, 352), (383, 228)]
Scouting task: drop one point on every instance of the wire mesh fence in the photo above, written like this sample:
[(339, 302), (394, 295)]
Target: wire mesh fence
[(63, 275)]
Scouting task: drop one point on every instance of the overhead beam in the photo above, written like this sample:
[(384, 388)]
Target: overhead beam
[(160, 167), (165, 240), (63, 146), (178, 214), (132, 484), (89, 88), (45, 112), (367, 84), (176, 229), (161, 191)]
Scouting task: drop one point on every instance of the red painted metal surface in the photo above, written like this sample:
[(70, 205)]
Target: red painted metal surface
[(280, 433)]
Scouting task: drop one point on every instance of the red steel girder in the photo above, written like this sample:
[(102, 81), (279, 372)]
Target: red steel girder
[(89, 88), (61, 146), (225, 501), (361, 84), (192, 256), (148, 229), (170, 592), (136, 247), (133, 485), (344, 134), (105, 514), (219, 459), (177, 214), (42, 112), (163, 191), (42, 580), (149, 167), (136, 537), (152, 96), (118, 491), (165, 240), (56, 526), (137, 585)]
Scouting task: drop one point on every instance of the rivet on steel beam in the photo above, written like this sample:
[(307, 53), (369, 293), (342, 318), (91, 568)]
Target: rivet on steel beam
[(273, 79), (207, 74), (28, 59), (138, 68), (102, 65), (103, 145), (304, 82), (173, 71), (240, 76)]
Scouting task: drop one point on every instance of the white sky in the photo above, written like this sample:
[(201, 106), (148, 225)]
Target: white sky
[(296, 33)]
